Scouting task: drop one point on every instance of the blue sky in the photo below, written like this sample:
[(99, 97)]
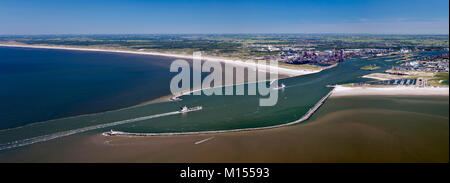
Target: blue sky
[(176, 16)]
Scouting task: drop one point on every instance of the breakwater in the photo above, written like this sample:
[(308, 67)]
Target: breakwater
[(44, 138), (307, 115)]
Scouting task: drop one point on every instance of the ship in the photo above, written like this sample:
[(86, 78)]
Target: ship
[(190, 109), (110, 133), (175, 99)]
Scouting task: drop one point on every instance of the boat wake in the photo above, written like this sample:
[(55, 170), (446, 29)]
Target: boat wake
[(44, 138), (306, 116)]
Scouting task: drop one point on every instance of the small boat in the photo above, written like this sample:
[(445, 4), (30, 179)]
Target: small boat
[(190, 109), (111, 133), (279, 87), (175, 99)]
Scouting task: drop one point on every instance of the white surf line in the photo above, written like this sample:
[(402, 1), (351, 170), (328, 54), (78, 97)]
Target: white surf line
[(204, 140), (182, 56), (44, 138)]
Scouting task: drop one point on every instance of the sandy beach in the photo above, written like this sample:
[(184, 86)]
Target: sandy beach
[(408, 91), (296, 143), (384, 77), (271, 69)]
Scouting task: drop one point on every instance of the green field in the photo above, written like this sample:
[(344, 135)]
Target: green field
[(242, 46)]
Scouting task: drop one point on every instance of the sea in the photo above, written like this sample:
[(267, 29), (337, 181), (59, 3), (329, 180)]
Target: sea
[(44, 84), (48, 91)]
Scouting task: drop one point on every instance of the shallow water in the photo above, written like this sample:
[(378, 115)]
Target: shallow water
[(219, 112), (43, 84), (345, 129)]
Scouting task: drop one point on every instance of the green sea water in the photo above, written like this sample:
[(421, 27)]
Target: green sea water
[(219, 112)]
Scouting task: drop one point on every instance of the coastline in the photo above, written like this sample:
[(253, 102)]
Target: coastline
[(44, 138), (383, 76), (281, 70), (160, 99), (340, 91), (305, 116), (362, 135), (284, 72), (48, 137)]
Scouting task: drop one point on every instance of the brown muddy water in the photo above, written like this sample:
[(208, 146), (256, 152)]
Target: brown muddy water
[(345, 129)]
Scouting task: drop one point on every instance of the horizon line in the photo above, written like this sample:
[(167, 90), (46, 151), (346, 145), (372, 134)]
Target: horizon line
[(337, 33)]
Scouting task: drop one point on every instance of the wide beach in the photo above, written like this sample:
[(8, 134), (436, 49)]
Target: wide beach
[(235, 113), (280, 70)]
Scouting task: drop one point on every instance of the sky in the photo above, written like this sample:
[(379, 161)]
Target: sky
[(19, 17)]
